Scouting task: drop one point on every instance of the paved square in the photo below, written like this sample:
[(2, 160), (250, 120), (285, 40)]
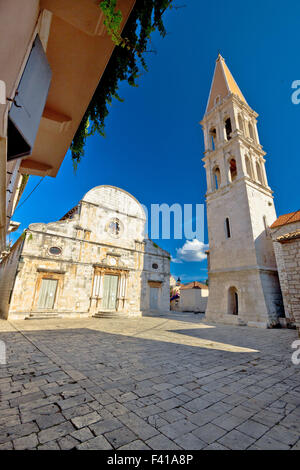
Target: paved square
[(172, 382)]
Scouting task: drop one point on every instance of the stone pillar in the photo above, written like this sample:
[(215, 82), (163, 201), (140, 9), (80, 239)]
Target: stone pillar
[(207, 145), (208, 176), (124, 290), (253, 160), (234, 122), (243, 164), (95, 293), (264, 173), (221, 126), (254, 124), (240, 163), (224, 173), (119, 293)]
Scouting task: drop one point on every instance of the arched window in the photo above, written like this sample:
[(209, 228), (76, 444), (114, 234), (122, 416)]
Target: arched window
[(217, 100), (228, 128), (241, 126), (213, 138), (233, 301), (251, 132), (217, 177), (232, 169), (259, 174), (227, 228), (248, 167)]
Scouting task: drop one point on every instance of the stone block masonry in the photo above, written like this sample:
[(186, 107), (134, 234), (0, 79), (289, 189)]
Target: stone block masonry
[(141, 383)]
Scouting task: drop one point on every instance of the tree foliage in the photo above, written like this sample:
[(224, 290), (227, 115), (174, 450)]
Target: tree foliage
[(126, 62)]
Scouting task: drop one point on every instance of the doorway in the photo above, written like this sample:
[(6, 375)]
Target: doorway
[(110, 288), (47, 293), (233, 301), (154, 298)]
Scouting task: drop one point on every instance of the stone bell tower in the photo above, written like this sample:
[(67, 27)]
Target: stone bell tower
[(243, 280)]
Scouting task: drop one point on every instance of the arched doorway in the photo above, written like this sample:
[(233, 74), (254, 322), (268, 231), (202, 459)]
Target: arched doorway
[(233, 301)]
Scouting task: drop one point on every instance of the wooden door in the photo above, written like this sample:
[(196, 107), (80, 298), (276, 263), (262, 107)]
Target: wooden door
[(47, 293), (110, 288), (154, 298)]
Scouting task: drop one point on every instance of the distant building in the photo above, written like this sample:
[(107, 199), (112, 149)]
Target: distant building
[(286, 237), (174, 292), (172, 281), (94, 261), (192, 297)]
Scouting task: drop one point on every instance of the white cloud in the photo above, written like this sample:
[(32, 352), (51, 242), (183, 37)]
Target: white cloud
[(192, 250), (176, 260)]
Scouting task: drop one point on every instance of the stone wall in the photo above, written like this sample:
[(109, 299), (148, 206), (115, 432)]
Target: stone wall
[(8, 272), (291, 256), (288, 262), (259, 297)]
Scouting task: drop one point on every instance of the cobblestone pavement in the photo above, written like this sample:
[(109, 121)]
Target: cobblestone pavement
[(173, 382)]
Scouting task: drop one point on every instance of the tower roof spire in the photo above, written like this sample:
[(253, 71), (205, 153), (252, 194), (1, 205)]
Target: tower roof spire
[(222, 84)]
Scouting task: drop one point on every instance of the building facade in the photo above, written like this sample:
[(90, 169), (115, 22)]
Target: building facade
[(192, 298), (96, 260), (285, 233), (243, 278)]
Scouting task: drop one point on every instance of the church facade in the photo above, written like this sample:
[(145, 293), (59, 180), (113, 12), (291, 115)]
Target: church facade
[(243, 280), (95, 261)]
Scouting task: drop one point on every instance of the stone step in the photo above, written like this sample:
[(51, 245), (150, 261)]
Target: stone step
[(108, 315), (42, 316)]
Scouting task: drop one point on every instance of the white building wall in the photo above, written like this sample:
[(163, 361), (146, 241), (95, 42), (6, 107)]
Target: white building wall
[(193, 300), (284, 265)]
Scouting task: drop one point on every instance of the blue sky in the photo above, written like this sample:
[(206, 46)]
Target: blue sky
[(154, 144)]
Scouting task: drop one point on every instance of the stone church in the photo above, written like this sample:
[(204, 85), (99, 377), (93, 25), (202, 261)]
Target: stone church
[(243, 280), (95, 261)]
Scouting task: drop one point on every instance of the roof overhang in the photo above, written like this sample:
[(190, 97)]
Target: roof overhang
[(78, 50)]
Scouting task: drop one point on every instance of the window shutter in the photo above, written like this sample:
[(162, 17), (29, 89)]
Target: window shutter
[(27, 109)]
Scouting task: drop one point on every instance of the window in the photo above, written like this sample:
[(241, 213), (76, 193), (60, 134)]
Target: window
[(227, 228), (233, 301), (155, 266), (25, 113), (251, 132), (213, 138), (259, 175), (55, 250), (217, 177), (114, 227), (217, 100), (232, 169), (228, 128)]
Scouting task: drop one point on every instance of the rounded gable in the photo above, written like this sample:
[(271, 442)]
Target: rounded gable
[(115, 199)]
